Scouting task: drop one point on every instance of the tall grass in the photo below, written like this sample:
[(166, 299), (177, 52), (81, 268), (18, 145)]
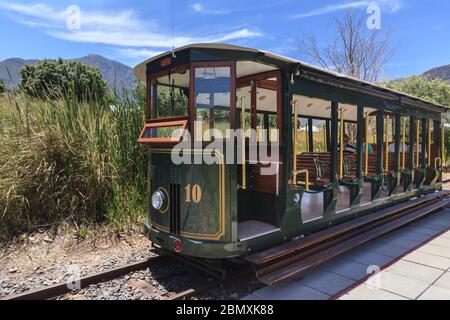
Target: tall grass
[(62, 160)]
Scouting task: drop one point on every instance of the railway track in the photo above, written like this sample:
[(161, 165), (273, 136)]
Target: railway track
[(55, 291), (292, 259), (280, 263), (59, 290)]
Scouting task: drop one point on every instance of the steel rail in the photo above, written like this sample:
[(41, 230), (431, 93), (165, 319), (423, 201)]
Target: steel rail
[(308, 262), (57, 290)]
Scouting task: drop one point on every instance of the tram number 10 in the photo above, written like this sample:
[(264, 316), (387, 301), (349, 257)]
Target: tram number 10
[(193, 194)]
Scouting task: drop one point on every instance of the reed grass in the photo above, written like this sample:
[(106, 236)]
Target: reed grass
[(67, 161)]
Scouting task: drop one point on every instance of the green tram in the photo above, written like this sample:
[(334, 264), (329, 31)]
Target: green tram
[(344, 148)]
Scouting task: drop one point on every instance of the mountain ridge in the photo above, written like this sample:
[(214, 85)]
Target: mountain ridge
[(118, 75), (442, 72)]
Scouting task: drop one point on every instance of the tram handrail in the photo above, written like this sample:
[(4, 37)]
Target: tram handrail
[(429, 143), (404, 145), (244, 168), (417, 143), (366, 131), (294, 159), (443, 145), (295, 175), (386, 155), (341, 144)]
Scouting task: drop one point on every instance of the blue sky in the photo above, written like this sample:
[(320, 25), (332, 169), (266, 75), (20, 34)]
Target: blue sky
[(131, 31)]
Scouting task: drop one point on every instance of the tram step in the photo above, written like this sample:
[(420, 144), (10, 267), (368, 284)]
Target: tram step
[(272, 254), (298, 268)]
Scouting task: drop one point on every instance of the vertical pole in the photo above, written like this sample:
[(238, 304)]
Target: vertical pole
[(417, 143), (310, 135), (366, 130), (424, 142), (443, 153), (334, 141), (397, 131), (244, 169), (294, 132), (429, 142), (404, 144), (380, 140), (412, 134), (341, 143), (328, 133), (386, 149), (359, 141)]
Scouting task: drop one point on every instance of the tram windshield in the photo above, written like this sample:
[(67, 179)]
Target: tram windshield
[(170, 95)]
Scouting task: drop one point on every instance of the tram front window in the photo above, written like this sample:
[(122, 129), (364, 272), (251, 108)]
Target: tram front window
[(170, 95), (212, 100)]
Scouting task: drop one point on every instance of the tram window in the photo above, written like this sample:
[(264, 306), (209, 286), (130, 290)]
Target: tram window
[(213, 99), (372, 131), (351, 129), (302, 135), (273, 128), (172, 95), (261, 128), (319, 136)]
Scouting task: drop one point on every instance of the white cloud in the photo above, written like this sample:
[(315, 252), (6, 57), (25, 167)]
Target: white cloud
[(389, 5), (138, 53), (117, 28), (199, 7)]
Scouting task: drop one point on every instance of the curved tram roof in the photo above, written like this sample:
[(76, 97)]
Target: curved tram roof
[(140, 72)]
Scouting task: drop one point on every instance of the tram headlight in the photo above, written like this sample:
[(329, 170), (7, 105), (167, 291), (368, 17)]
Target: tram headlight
[(158, 200)]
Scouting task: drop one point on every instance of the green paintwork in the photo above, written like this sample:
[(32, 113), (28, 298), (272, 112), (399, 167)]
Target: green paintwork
[(204, 217)]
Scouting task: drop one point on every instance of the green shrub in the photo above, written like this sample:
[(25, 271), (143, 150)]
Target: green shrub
[(2, 86), (55, 79)]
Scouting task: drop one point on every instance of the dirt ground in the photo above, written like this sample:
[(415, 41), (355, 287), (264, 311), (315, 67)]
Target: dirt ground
[(40, 259)]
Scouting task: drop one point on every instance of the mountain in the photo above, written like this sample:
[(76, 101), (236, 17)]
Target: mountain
[(439, 72), (116, 74)]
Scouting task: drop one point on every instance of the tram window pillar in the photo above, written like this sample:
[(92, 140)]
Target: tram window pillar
[(397, 141), (380, 140), (359, 141), (334, 141), (328, 133), (423, 147), (437, 141), (310, 135), (411, 147)]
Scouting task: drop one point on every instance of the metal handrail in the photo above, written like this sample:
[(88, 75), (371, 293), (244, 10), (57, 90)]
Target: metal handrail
[(244, 167), (295, 181), (366, 131)]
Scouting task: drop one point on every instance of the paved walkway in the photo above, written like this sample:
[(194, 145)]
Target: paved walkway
[(410, 263)]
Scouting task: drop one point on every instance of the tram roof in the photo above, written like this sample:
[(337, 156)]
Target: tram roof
[(314, 72)]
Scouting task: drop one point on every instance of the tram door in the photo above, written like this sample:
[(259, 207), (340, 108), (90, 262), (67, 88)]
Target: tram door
[(260, 177)]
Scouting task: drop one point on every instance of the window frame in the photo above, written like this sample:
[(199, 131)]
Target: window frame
[(160, 123), (150, 112), (192, 106)]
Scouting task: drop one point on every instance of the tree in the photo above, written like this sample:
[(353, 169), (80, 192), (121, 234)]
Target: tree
[(355, 51), (56, 79), (2, 86), (435, 91)]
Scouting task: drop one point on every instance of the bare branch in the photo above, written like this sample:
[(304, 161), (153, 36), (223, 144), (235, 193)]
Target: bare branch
[(355, 51)]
